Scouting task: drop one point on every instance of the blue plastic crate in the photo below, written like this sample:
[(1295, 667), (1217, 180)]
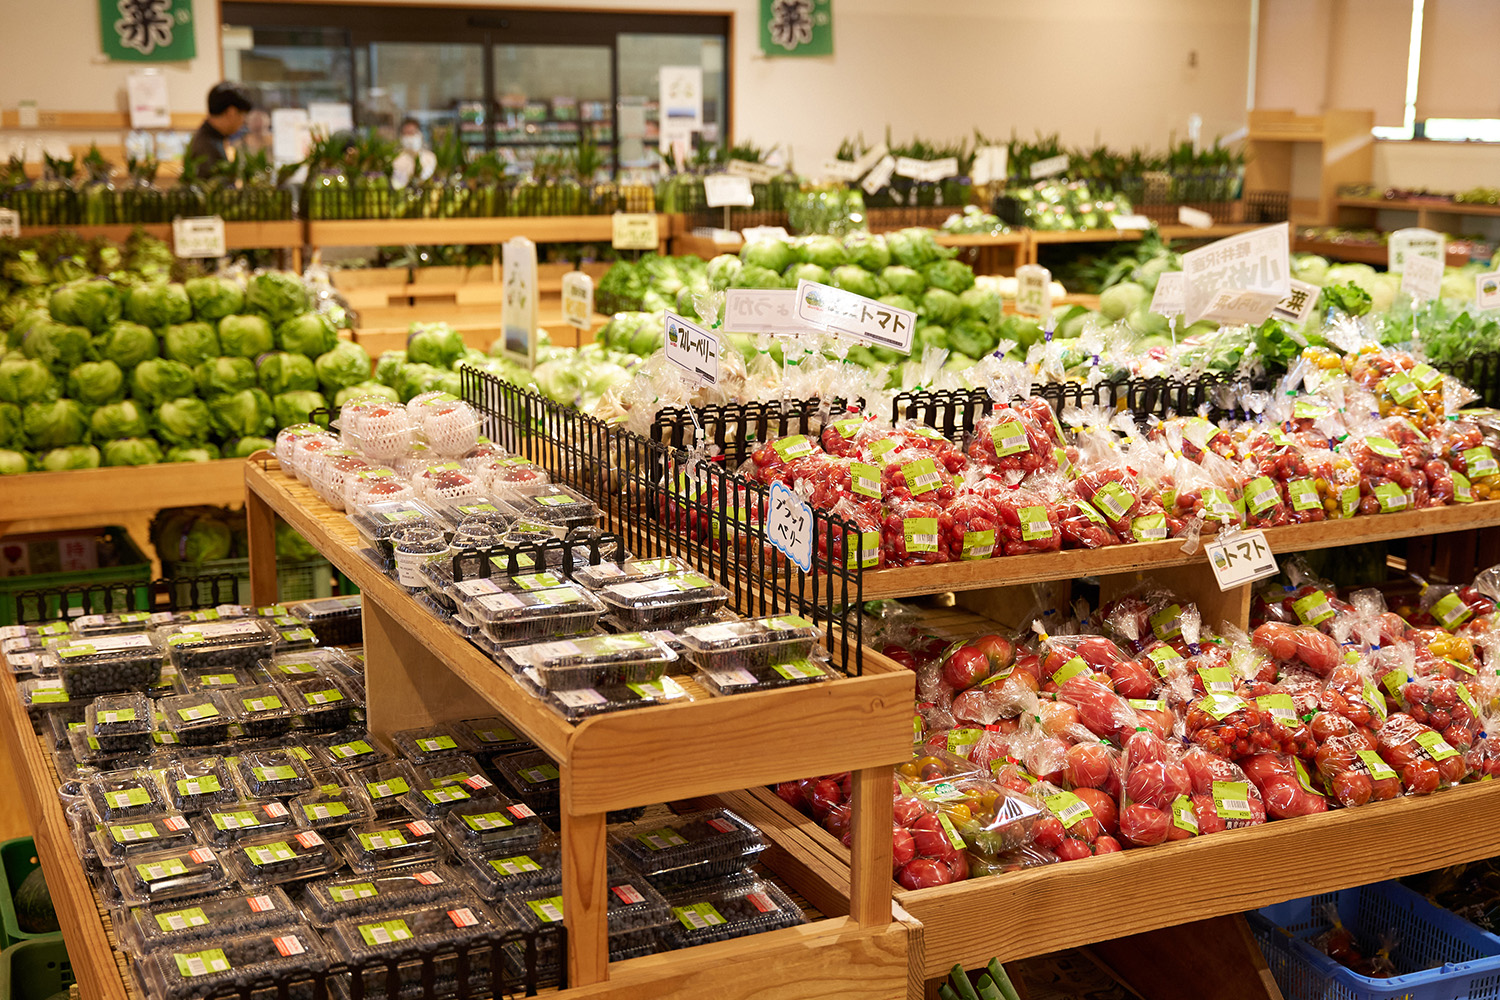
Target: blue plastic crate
[(1440, 956)]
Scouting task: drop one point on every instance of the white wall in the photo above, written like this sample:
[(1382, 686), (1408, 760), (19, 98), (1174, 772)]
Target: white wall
[(1090, 69)]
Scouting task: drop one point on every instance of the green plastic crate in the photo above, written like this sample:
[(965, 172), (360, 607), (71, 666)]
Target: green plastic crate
[(133, 575), (17, 860), (35, 970), (295, 581)]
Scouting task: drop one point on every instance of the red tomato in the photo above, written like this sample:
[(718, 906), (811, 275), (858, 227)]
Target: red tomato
[(903, 847), (965, 667), (1087, 765), (1143, 825), (1048, 833), (1107, 845), (825, 795), (1000, 650), (1102, 806), (1072, 849), (923, 873)]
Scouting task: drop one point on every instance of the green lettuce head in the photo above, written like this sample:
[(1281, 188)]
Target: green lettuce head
[(214, 297), (194, 453), (347, 364), (283, 372), (245, 336), (859, 281), (56, 424), (24, 380), (277, 295), (940, 306), (246, 446), (157, 380), (93, 304), (58, 347), (157, 304), (12, 463), (435, 344), (218, 376), (190, 343), (77, 456), (806, 272), (127, 344), (755, 276), (388, 367), (773, 255), (418, 378), (867, 250), (96, 383), (825, 251), (184, 420), (722, 269), (903, 281), (293, 407), (309, 334), (118, 420), (363, 390), (12, 431), (949, 275), (247, 413), (132, 451)]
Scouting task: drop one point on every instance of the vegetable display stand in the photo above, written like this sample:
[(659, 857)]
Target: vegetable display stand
[(539, 229), (1374, 254), (990, 253), (418, 671)]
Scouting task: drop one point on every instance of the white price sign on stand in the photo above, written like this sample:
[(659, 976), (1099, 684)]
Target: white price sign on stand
[(990, 164), (879, 175), (1171, 288), (518, 312), (838, 311), (1299, 303), (762, 310), (1240, 557), (753, 233), (1486, 289), (198, 236), (1194, 217), (578, 299), (789, 525), (10, 222), (693, 349), (1033, 290), (727, 189), (1239, 279), (1406, 243), (1423, 276), (1049, 167), (757, 173), (634, 231)]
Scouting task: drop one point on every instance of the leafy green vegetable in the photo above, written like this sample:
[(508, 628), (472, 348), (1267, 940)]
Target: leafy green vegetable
[(127, 344), (309, 334), (950, 275), (826, 252), (158, 304), (190, 343), (915, 248), (806, 272), (365, 389), (771, 255), (940, 306), (246, 446), (118, 420), (184, 420), (93, 304), (755, 276), (294, 406), (245, 336), (24, 380), (859, 281), (56, 424), (347, 364), (903, 281), (57, 346), (1348, 298), (193, 453), (96, 383), (416, 379), (278, 295), (283, 372), (388, 367), (11, 430), (12, 463), (214, 297), (982, 305), (132, 451), (867, 250), (156, 380), (246, 413), (722, 269), (78, 456), (218, 376)]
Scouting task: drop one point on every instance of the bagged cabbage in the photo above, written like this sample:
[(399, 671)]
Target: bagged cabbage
[(278, 295), (96, 383), (309, 333), (245, 336), (157, 304), (156, 380), (214, 297), (127, 344)]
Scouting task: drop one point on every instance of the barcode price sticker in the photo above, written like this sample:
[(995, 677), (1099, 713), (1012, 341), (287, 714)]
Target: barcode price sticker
[(578, 299), (1240, 557), (463, 917), (692, 349), (790, 526), (289, 945)]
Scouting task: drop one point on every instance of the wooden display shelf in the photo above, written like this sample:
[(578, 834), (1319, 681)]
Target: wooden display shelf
[(1418, 205), (1375, 254), (284, 234), (1013, 238), (541, 229), (419, 671)]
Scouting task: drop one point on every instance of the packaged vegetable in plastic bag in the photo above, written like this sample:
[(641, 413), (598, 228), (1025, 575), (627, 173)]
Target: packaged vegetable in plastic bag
[(783, 459), (1318, 652), (916, 473), (1353, 771), (1079, 521), (1421, 757), (1223, 798), (1287, 787), (1027, 522), (1153, 782), (917, 532)]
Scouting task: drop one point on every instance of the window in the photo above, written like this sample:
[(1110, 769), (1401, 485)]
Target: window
[(1447, 97)]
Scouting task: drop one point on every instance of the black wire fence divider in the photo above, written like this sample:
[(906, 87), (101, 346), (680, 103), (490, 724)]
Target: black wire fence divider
[(665, 501)]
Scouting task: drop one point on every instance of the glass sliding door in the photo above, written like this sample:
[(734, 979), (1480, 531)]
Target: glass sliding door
[(441, 85), (641, 58), (550, 97)]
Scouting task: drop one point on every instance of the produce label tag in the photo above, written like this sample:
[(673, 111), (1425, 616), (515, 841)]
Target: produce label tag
[(1434, 746), (328, 696), (179, 920), (1467, 698), (386, 789), (660, 840), (218, 680), (1166, 624), (1035, 525), (325, 810), (463, 917), (1072, 668), (515, 866), (1183, 816), (921, 533), (856, 317), (1377, 768), (1217, 680), (344, 893), (628, 894), (1240, 279), (128, 833), (1068, 808), (789, 526), (498, 734), (1149, 704), (1423, 276), (1009, 438), (289, 945), (345, 751), (1087, 510), (1451, 611), (270, 703), (1261, 495), (1216, 505), (1232, 799), (1150, 528), (868, 552), (1481, 462), (549, 910), (381, 840), (296, 669), (961, 741), (127, 797), (201, 963), (385, 932), (698, 916), (864, 479), (266, 854), (1164, 657), (158, 870), (1310, 784), (692, 349), (235, 820), (1465, 667), (978, 545), (1349, 500), (1280, 707), (950, 832), (1402, 388), (793, 447), (1462, 489), (205, 785), (1313, 609), (1242, 558), (281, 772), (1199, 431), (797, 670), (197, 713), (921, 476), (1304, 494), (1221, 706), (1113, 500), (118, 715), (487, 821), (541, 774)]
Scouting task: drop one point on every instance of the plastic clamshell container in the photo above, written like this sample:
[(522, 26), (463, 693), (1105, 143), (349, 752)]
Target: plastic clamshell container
[(384, 783), (188, 870), (218, 646), (245, 961), (40, 694), (87, 753), (515, 616), (167, 925), (720, 911), (279, 858), (633, 657), (663, 601), (260, 710), (428, 743), (301, 664), (412, 933), (434, 801), (193, 784), (495, 873), (344, 897), (199, 719), (273, 774), (491, 734), (373, 847), (413, 549), (463, 769), (121, 723), (219, 679), (229, 822), (739, 680), (495, 823), (112, 623), (323, 701), (119, 795), (118, 841), (348, 749), (377, 520), (581, 703), (107, 664), (636, 914), (62, 721), (629, 571), (749, 642), (534, 778), (551, 503), (690, 848), (454, 510)]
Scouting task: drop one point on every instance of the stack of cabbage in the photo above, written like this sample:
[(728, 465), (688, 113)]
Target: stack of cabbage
[(116, 374)]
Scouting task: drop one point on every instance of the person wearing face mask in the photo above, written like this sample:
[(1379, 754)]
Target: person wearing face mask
[(228, 104), (415, 161)]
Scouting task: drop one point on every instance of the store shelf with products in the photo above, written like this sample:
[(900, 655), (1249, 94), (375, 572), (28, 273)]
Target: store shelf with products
[(419, 671), (285, 234), (1374, 254)]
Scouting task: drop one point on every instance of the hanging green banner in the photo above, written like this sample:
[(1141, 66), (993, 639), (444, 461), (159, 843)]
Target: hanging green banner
[(147, 30), (796, 27)]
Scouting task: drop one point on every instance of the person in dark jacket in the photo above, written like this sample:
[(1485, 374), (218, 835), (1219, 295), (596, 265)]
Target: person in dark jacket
[(228, 103)]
